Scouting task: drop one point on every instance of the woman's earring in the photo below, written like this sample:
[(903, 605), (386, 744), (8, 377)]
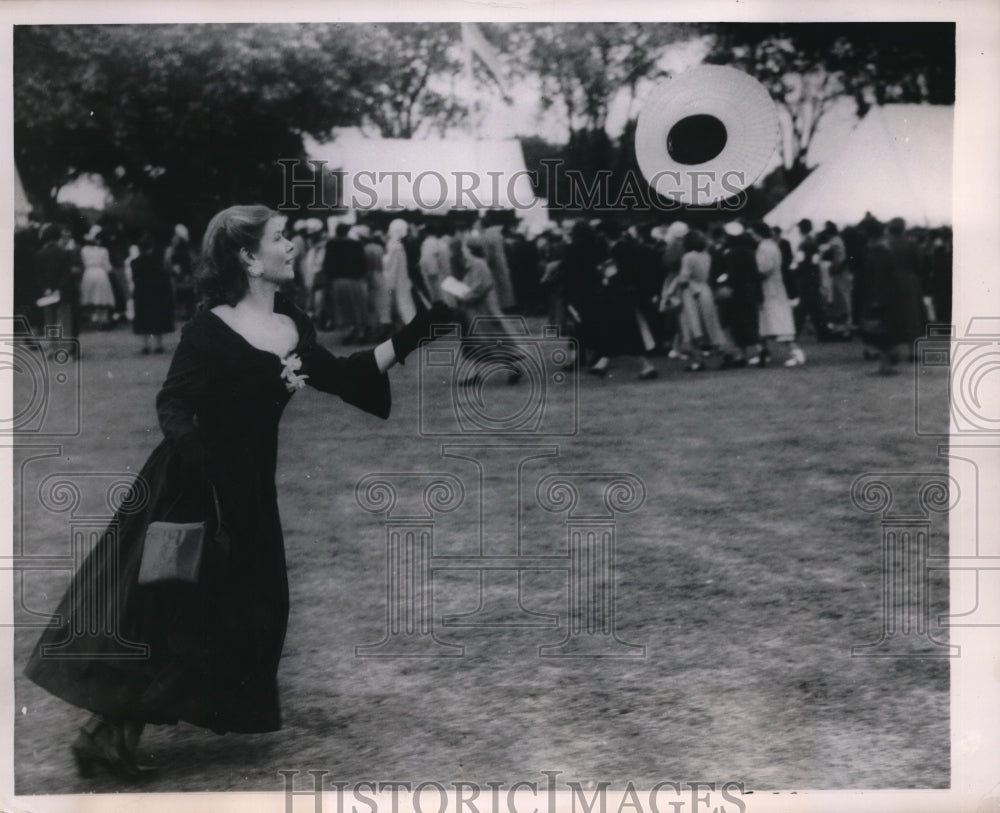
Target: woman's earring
[(254, 269)]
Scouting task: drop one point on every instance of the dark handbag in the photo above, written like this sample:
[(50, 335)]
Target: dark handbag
[(185, 552)]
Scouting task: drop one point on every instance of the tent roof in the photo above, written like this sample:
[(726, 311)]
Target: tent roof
[(22, 207), (433, 175), (895, 163)]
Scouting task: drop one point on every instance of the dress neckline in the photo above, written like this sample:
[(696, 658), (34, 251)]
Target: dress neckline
[(278, 303)]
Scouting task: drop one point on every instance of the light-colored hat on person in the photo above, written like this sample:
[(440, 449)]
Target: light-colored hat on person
[(398, 229), (676, 230)]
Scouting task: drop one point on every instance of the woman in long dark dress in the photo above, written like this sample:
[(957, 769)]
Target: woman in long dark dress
[(621, 328), (740, 308), (152, 296), (212, 653)]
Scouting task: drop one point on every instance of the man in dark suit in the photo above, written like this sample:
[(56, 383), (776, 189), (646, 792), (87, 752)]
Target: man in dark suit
[(58, 270), (346, 269), (805, 266)]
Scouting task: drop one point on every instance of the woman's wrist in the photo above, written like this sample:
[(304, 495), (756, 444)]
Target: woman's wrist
[(385, 356)]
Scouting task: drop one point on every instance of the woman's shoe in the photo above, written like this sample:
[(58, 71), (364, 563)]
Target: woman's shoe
[(797, 359), (600, 372), (101, 744), (648, 375)]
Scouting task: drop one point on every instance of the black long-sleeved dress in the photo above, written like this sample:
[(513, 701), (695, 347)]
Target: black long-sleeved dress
[(212, 652)]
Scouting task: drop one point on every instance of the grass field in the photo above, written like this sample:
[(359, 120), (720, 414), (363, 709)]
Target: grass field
[(747, 575)]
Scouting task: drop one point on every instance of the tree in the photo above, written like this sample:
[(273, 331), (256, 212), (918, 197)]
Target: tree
[(583, 70), (583, 67), (194, 117), (807, 67), (411, 64)]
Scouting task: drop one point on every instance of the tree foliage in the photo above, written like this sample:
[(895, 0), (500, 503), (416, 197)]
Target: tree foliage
[(583, 67), (194, 117), (408, 92), (807, 67)]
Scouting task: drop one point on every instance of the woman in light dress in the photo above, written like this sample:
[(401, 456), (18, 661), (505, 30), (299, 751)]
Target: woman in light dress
[(699, 317), (395, 273), (776, 319), (96, 294)]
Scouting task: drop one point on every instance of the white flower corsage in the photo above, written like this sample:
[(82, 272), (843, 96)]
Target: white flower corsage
[(293, 382)]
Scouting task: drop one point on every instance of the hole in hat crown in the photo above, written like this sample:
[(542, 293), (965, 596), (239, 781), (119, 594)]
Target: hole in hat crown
[(696, 139)]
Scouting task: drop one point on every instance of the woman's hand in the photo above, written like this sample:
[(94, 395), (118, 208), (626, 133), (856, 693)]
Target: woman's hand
[(405, 341)]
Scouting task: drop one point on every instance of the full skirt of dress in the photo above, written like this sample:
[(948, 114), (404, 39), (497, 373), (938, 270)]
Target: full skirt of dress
[(207, 654)]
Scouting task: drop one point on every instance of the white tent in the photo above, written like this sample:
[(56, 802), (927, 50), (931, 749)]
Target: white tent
[(22, 207), (895, 163), (431, 175)]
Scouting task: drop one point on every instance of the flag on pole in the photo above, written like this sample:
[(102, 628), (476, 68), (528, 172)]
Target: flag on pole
[(475, 44)]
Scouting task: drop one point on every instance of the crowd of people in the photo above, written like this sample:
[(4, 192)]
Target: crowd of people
[(735, 290), (104, 278), (719, 296)]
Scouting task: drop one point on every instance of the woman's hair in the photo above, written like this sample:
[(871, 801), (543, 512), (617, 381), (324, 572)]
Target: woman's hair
[(222, 277), (694, 240)]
